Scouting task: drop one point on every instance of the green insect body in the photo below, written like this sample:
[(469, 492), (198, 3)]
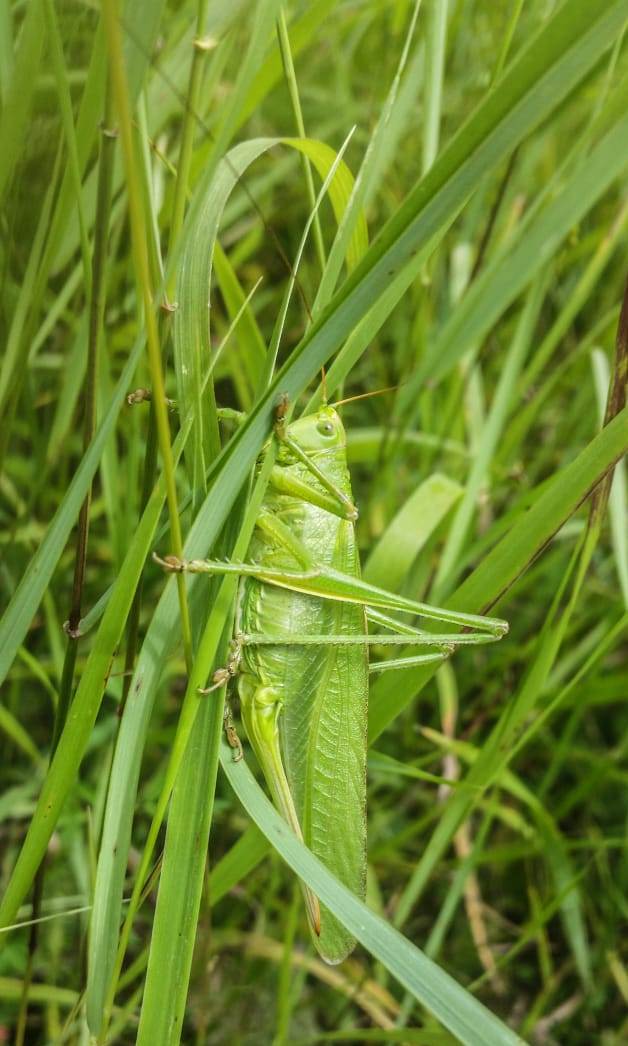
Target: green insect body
[(301, 652), (305, 707)]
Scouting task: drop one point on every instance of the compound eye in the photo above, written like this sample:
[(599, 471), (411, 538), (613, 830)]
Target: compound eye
[(325, 428)]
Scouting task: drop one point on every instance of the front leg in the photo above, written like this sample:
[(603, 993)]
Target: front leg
[(338, 502), (342, 505), (333, 502)]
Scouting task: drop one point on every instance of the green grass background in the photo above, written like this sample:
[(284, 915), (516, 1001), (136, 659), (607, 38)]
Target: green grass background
[(426, 196)]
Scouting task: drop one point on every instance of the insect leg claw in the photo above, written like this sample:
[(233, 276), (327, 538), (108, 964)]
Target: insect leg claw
[(233, 740), (139, 396), (223, 675), (220, 677), (172, 564)]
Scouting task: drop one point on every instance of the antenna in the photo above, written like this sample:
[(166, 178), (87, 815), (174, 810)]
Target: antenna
[(364, 395)]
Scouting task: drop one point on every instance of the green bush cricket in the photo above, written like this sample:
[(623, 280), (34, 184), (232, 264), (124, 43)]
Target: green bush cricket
[(300, 652)]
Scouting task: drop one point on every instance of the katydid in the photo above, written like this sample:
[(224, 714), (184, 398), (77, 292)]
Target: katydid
[(301, 652)]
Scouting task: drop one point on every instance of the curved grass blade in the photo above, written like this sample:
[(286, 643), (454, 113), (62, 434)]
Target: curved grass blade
[(454, 1007), (340, 189), (394, 554)]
